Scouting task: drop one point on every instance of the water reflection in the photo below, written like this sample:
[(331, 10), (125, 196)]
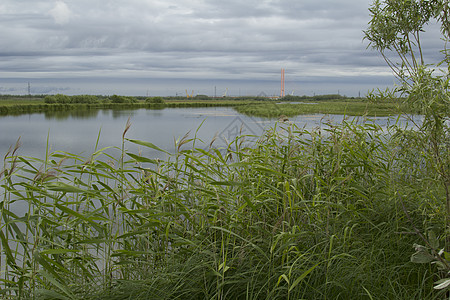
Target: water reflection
[(79, 114), (73, 114), (119, 113)]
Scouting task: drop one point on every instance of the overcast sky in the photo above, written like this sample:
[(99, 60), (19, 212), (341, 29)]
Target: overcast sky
[(164, 47)]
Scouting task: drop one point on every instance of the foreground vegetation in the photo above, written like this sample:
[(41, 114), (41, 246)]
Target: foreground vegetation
[(298, 215)]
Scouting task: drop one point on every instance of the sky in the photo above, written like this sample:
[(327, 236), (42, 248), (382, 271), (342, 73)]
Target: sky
[(168, 47)]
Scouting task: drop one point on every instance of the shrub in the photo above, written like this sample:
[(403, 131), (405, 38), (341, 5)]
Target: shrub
[(58, 98), (122, 99), (155, 100), (50, 99), (84, 99), (202, 97)]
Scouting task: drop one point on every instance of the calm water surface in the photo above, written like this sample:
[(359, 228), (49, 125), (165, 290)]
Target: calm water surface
[(77, 132)]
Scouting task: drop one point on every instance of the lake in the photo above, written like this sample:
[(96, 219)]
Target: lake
[(77, 131)]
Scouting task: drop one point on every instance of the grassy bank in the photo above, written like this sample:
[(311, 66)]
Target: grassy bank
[(253, 106), (352, 108), (18, 109), (16, 105), (298, 215)]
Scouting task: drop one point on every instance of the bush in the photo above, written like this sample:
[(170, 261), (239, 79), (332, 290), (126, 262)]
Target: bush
[(122, 99), (202, 97), (155, 100), (50, 99), (58, 98), (84, 99)]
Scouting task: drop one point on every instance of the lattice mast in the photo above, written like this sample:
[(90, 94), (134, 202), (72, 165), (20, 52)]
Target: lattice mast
[(282, 93)]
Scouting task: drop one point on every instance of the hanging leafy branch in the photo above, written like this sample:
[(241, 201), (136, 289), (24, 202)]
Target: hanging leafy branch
[(396, 27), (395, 30)]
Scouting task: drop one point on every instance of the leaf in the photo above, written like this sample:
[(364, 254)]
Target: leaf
[(261, 168), (131, 253), (9, 256), (94, 241), (44, 262), (440, 265), (147, 144), (226, 183), (282, 277), (106, 187), (224, 267), (64, 187), (264, 254), (422, 257), (71, 212), (447, 256), (442, 284), (368, 293), (433, 239), (59, 251), (141, 158), (297, 281), (86, 218), (58, 284), (48, 294), (133, 233)]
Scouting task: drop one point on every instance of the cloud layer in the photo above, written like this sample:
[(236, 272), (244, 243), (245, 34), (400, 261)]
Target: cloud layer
[(131, 46)]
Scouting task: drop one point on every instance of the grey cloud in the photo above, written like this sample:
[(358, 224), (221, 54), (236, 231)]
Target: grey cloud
[(49, 90), (4, 90), (243, 40)]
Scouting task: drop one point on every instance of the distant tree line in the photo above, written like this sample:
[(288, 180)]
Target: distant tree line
[(88, 99)]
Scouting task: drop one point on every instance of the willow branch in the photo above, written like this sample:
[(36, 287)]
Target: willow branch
[(417, 38)]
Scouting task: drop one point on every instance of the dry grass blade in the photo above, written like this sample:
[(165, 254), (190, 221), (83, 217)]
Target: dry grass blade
[(184, 140), (12, 150), (213, 140), (127, 127), (16, 146)]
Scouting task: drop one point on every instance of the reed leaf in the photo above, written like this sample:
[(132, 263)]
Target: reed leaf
[(147, 144)]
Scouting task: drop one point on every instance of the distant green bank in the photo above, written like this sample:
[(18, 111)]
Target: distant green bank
[(291, 106), (357, 108), (16, 105), (39, 108), (253, 106)]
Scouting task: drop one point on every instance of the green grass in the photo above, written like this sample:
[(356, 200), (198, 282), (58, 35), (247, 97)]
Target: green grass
[(352, 108), (42, 108), (298, 215), (20, 100)]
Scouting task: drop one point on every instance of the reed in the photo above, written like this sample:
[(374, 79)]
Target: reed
[(297, 215)]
